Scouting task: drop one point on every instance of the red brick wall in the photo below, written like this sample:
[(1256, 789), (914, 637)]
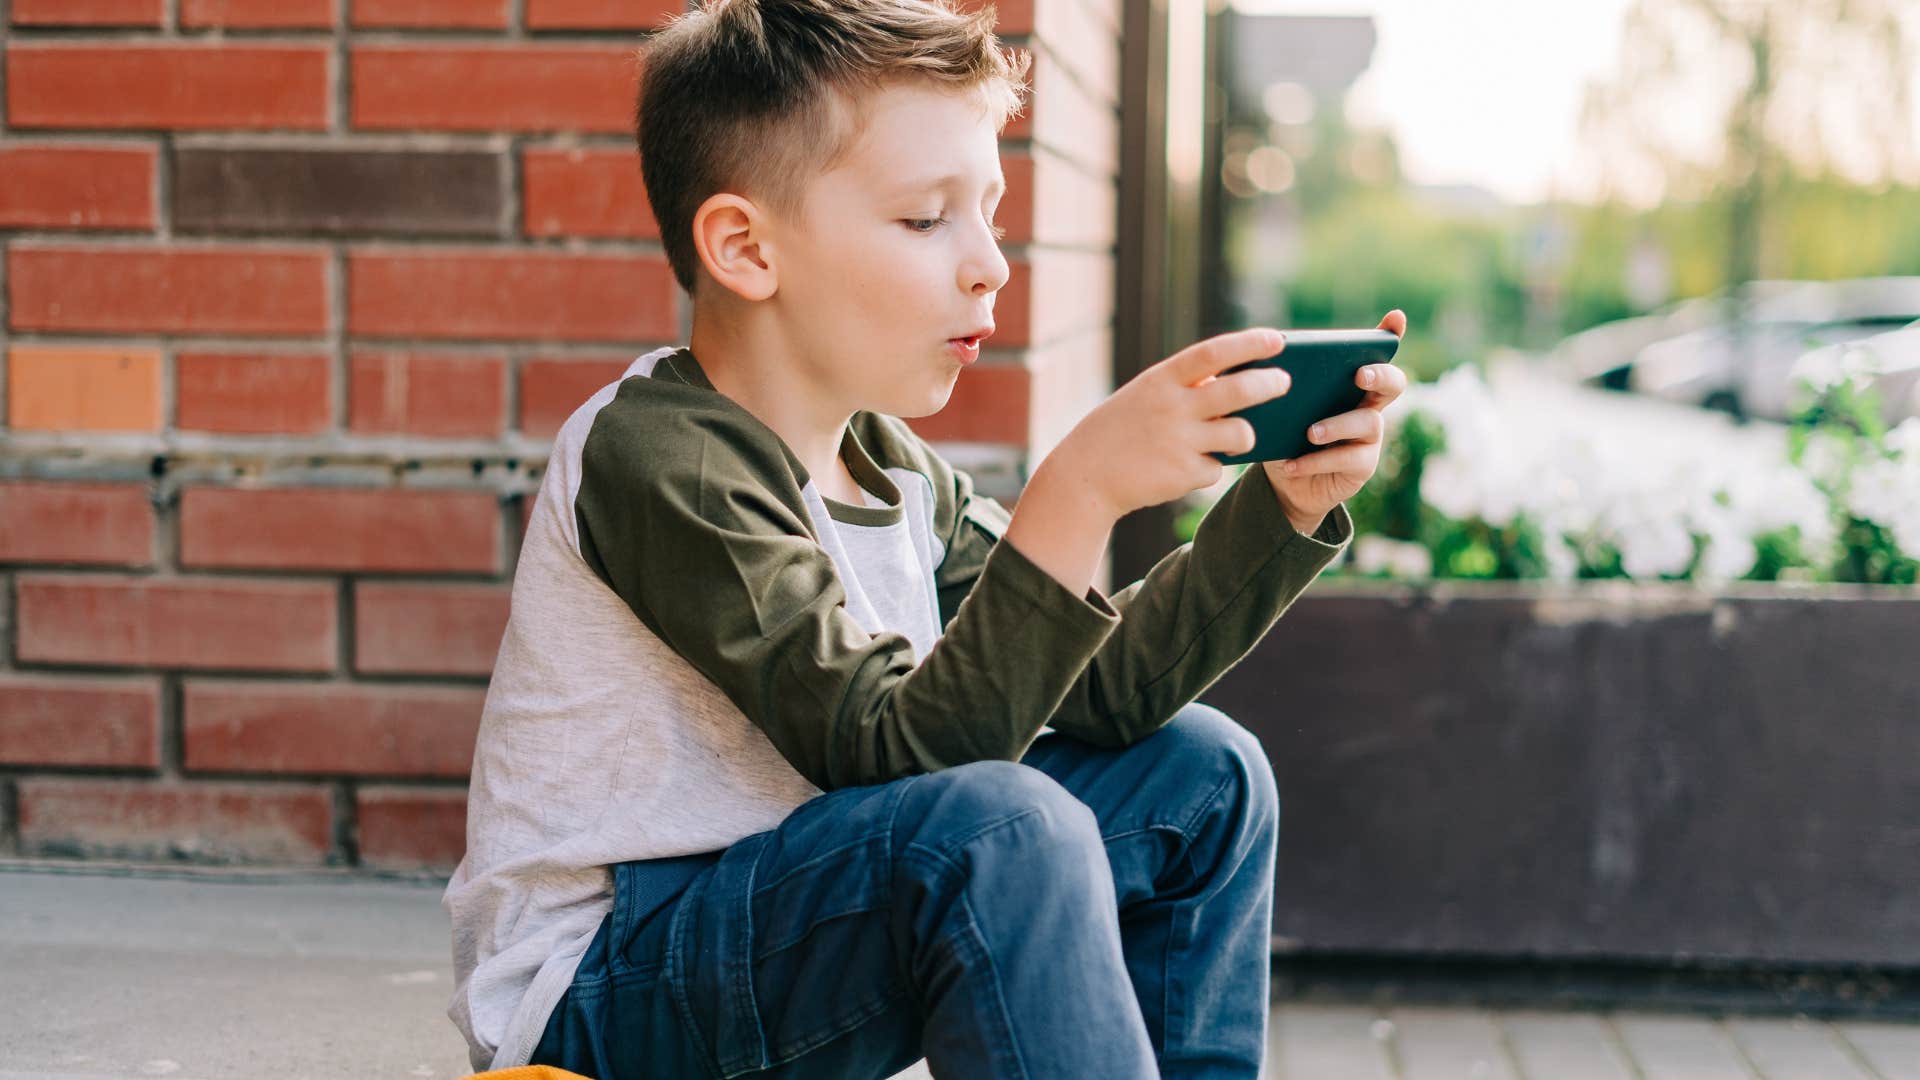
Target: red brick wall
[(296, 292)]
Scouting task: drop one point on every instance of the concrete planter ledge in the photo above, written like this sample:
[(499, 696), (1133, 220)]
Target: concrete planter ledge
[(1594, 770)]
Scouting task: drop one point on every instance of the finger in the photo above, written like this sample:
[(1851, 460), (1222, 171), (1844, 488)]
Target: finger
[(1227, 435), (1383, 382), (1348, 457), (1215, 354), (1231, 393), (1395, 321), (1363, 425)]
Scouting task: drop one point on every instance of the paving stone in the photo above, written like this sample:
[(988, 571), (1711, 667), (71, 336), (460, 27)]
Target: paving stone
[(1564, 1046), (1680, 1047), (1313, 1042), (1796, 1049), (1449, 1044), (1892, 1049)]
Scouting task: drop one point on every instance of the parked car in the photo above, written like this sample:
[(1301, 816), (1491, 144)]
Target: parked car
[(1890, 363), (1743, 369), (1693, 352)]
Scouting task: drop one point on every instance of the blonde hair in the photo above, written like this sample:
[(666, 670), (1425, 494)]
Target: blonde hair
[(758, 96)]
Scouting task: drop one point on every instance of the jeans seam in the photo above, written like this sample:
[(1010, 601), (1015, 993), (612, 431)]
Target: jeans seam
[(837, 1029), (810, 863), (741, 987), (1178, 928), (975, 833), (678, 987), (969, 941)]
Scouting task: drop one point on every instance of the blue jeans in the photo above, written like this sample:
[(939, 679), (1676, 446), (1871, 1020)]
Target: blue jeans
[(1085, 912)]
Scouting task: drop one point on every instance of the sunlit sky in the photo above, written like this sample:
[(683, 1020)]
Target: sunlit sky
[(1483, 92)]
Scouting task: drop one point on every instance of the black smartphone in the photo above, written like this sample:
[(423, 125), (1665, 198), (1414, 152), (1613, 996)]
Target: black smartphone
[(1324, 364)]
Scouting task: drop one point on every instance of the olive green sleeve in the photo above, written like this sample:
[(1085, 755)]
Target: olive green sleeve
[(1198, 611), (1193, 616), (697, 521)]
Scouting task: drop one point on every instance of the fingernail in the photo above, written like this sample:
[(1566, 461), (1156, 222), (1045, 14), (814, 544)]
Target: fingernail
[(1366, 377), (1290, 468), (1319, 432)]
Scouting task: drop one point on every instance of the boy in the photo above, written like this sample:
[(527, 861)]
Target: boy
[(800, 758)]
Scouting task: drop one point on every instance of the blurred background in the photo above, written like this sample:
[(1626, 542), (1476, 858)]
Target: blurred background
[(1662, 262)]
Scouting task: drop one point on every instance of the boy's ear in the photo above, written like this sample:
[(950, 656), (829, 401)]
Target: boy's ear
[(730, 234)]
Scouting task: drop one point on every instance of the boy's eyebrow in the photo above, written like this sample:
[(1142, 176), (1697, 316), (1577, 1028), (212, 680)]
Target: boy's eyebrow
[(998, 186)]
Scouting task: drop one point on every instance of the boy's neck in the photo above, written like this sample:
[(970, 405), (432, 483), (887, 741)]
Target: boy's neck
[(744, 360)]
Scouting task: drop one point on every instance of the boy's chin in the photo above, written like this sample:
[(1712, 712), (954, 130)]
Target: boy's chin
[(909, 406)]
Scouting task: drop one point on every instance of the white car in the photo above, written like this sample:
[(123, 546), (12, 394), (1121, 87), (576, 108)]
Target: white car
[(1741, 369), (1888, 362)]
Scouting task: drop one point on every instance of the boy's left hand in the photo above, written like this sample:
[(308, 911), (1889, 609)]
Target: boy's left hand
[(1311, 485)]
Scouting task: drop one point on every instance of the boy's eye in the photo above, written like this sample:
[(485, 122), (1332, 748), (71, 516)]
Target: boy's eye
[(927, 225)]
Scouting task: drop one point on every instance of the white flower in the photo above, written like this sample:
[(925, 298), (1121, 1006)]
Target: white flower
[(1823, 368), (1888, 492), (1401, 558), (1626, 475), (1904, 440)]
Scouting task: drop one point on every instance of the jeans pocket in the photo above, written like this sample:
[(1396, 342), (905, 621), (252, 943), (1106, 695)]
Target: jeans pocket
[(710, 962)]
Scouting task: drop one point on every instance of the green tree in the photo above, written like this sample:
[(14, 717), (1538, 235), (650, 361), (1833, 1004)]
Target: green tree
[(1806, 68)]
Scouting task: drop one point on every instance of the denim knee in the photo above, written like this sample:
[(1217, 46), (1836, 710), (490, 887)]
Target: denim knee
[(949, 809), (1203, 742)]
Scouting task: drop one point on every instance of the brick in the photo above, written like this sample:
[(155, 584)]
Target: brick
[(76, 187), (494, 88), (177, 86), (1015, 212), (336, 728), (1071, 377), (1012, 16), (509, 294), (1012, 307), (108, 723), (428, 629), (253, 394), (1071, 207), (238, 290), (402, 828), (427, 394), (401, 192), (44, 521), (88, 12), (258, 14), (600, 14), (83, 389), (215, 822), (551, 389), (1057, 293), (1071, 119), (990, 404), (203, 623), (431, 14), (353, 530), (586, 192)]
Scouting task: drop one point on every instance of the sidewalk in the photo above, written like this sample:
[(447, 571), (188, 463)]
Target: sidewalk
[(111, 972)]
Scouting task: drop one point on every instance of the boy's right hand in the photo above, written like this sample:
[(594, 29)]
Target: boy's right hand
[(1152, 440)]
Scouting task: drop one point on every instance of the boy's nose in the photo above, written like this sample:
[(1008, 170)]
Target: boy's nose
[(987, 274)]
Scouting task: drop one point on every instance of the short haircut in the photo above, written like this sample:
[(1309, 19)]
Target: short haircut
[(759, 96)]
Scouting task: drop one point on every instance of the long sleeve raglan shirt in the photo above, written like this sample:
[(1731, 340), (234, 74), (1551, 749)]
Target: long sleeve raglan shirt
[(699, 641)]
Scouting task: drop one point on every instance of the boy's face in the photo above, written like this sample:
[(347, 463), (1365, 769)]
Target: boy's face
[(894, 253)]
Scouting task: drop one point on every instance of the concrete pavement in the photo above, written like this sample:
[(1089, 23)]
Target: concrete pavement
[(124, 973)]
